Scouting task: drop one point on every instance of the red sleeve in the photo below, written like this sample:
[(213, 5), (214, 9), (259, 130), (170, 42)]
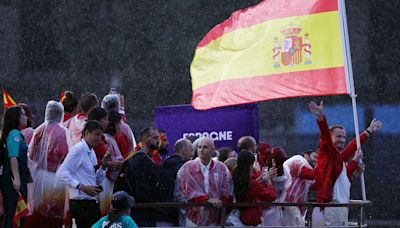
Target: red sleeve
[(325, 139), (351, 168), (100, 150), (306, 173), (62, 147), (351, 148), (122, 144), (261, 191), (199, 199)]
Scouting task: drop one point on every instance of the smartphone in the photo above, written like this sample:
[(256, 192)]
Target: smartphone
[(100, 187), (265, 174), (273, 163)]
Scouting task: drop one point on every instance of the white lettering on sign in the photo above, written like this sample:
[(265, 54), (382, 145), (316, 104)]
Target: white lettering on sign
[(215, 135)]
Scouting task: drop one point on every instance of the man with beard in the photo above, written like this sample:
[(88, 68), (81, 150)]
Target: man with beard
[(156, 155), (335, 167), (300, 172), (141, 177)]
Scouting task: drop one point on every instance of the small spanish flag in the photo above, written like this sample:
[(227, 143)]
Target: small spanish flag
[(20, 212), (62, 96), (8, 101)]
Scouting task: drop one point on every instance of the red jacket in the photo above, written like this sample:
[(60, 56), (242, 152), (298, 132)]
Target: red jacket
[(258, 192), (122, 144), (330, 162), (100, 150)]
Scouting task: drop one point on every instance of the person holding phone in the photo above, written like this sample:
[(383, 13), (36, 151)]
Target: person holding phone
[(80, 171)]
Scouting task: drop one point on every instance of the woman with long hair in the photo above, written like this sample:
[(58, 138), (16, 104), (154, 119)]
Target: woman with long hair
[(275, 158), (27, 132), (16, 173), (47, 150), (119, 215), (115, 163), (251, 188)]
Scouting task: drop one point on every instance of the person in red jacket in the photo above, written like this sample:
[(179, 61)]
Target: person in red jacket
[(335, 167), (250, 188)]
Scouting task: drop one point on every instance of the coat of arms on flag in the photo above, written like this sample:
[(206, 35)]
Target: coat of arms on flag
[(264, 52), (290, 50)]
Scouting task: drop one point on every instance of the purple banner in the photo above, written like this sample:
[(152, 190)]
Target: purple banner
[(224, 125)]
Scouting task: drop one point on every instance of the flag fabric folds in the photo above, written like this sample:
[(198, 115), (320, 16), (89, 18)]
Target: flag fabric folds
[(276, 49), (7, 100), (20, 212)]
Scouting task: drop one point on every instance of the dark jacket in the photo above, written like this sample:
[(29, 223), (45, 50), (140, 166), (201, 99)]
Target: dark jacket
[(139, 176), (166, 174)]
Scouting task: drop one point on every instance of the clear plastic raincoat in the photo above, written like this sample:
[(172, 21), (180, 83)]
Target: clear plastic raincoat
[(190, 188), (49, 146)]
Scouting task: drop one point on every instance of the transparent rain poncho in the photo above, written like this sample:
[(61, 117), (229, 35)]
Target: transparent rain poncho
[(190, 188), (76, 126), (296, 188), (111, 102), (49, 146)]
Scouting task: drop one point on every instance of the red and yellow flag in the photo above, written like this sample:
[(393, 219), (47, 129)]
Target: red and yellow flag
[(276, 49), (20, 212), (7, 100)]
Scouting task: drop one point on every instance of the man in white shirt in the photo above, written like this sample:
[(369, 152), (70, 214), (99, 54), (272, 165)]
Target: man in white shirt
[(81, 173)]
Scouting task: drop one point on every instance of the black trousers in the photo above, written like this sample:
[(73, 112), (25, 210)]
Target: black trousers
[(10, 199), (85, 212)]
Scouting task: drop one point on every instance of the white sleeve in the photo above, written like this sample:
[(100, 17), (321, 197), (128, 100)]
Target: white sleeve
[(69, 166), (100, 175)]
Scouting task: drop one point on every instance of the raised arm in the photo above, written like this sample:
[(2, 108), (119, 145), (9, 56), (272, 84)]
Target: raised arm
[(351, 148), (325, 135)]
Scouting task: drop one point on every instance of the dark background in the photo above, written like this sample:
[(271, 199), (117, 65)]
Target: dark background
[(144, 48)]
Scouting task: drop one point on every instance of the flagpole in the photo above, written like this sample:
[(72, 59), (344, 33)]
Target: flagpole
[(352, 87)]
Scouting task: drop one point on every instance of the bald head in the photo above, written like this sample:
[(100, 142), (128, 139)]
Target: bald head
[(205, 149), (247, 143)]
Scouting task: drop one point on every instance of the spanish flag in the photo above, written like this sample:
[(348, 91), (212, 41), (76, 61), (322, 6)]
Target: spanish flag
[(7, 100), (20, 212), (276, 49)]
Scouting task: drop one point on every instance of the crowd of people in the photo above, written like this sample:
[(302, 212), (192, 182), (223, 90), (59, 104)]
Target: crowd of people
[(82, 167)]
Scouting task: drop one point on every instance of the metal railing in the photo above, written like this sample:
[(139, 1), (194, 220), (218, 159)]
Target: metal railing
[(309, 205)]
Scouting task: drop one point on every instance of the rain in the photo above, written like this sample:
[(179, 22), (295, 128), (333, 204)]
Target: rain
[(144, 49)]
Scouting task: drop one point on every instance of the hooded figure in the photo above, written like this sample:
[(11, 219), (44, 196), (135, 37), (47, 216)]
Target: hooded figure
[(296, 189), (125, 138), (47, 150)]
